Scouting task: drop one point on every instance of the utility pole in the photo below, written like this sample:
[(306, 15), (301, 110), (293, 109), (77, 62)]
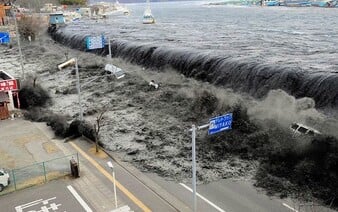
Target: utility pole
[(19, 44)]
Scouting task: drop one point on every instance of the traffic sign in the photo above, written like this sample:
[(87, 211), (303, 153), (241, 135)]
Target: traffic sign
[(4, 37), (95, 42), (220, 123)]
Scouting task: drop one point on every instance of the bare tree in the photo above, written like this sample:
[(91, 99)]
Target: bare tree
[(98, 126), (32, 78)]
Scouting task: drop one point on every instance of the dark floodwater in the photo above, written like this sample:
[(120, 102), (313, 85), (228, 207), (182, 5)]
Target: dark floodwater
[(252, 48)]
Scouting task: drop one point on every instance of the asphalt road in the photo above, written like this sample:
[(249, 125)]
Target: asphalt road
[(52, 196), (240, 196), (233, 196), (129, 189)]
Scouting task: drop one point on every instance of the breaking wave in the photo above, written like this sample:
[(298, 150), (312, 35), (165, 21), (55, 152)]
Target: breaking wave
[(245, 76)]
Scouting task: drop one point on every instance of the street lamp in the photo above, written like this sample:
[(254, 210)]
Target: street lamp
[(110, 165), (119, 73), (71, 62), (78, 89)]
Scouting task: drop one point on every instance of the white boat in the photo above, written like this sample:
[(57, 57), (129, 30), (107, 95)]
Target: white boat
[(324, 3), (271, 3), (71, 16), (105, 9), (148, 17)]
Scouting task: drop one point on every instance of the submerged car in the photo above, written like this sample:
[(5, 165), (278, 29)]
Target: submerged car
[(303, 129)]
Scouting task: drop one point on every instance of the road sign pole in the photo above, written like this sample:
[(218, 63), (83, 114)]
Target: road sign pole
[(193, 147), (193, 136), (109, 46), (215, 125)]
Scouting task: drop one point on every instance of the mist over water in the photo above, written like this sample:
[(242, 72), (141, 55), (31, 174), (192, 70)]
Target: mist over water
[(250, 49)]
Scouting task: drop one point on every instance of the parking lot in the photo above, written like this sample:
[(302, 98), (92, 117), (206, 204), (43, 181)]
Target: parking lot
[(30, 154), (53, 196)]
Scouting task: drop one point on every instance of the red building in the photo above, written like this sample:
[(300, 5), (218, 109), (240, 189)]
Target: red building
[(4, 9), (9, 94)]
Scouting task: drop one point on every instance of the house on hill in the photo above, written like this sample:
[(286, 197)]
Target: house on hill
[(4, 12)]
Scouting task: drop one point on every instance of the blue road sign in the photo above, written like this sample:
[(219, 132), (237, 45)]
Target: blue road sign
[(4, 37), (220, 123), (95, 42)]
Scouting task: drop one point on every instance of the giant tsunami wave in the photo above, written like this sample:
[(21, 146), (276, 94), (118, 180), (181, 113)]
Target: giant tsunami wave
[(245, 76)]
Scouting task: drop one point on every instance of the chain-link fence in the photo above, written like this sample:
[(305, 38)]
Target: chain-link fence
[(39, 173)]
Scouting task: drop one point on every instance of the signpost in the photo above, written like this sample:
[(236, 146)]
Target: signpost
[(119, 73), (109, 48), (216, 125)]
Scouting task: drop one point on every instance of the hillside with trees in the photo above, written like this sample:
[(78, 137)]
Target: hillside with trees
[(29, 4), (73, 2)]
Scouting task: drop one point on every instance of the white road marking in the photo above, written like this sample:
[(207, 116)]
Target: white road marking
[(203, 198), (291, 208), (79, 199), (20, 207), (54, 206)]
